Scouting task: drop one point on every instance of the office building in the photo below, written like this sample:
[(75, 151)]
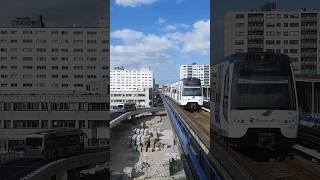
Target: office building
[(200, 71), (294, 33), (131, 86), (52, 77)]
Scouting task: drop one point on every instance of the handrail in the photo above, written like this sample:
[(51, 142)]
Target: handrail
[(194, 153)]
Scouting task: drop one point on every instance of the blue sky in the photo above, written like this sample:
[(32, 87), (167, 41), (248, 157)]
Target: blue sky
[(162, 34)]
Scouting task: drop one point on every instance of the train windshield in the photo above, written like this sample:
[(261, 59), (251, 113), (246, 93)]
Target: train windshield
[(192, 91), (34, 142), (262, 86)]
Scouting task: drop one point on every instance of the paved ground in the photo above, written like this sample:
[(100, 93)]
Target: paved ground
[(124, 158)]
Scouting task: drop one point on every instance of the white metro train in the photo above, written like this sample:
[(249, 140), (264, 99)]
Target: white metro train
[(254, 100), (187, 93)]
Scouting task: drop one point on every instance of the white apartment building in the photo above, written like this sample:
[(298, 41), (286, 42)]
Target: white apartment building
[(52, 77), (140, 97), (131, 86), (200, 71), (294, 33), (124, 79)]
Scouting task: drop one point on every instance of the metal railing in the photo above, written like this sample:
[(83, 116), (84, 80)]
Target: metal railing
[(197, 159)]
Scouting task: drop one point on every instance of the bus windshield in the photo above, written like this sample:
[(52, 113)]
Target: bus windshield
[(33, 142), (192, 91), (262, 87)]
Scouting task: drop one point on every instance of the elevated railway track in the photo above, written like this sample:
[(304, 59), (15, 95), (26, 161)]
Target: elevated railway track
[(229, 162)]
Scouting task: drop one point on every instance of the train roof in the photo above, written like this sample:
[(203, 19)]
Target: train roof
[(254, 56), (191, 81), (61, 132)]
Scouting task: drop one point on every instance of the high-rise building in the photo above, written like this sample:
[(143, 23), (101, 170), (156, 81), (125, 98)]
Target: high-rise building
[(125, 79), (294, 33), (131, 86), (200, 71), (194, 70), (52, 78)]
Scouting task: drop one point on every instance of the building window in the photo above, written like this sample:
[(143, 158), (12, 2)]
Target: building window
[(27, 67), (41, 58), (239, 16), (269, 42), (27, 41), (41, 49), (294, 42), (239, 25), (54, 50), (27, 49), (41, 67), (63, 123), (91, 33), (239, 42), (77, 32), (27, 58), (91, 41), (27, 32), (27, 84), (54, 67), (293, 51), (77, 50)]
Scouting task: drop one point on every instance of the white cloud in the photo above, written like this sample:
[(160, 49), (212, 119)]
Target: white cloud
[(161, 21), (170, 28), (126, 35), (137, 48), (175, 27), (142, 49), (195, 41), (134, 3)]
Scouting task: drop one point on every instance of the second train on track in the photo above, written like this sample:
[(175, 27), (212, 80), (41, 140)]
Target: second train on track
[(187, 93)]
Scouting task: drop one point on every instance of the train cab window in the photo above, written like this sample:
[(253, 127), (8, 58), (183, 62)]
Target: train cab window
[(226, 95)]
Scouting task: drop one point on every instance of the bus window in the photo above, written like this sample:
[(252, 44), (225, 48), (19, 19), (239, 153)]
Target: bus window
[(35, 143)]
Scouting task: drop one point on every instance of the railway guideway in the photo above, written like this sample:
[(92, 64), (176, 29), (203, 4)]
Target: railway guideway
[(224, 162), (194, 139)]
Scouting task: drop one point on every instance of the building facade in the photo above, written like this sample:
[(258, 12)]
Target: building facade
[(200, 71), (53, 78), (124, 79), (140, 97), (294, 33), (131, 86)]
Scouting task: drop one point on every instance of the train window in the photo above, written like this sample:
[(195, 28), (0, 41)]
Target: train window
[(226, 95)]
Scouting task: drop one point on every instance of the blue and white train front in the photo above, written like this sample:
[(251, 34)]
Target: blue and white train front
[(191, 94), (259, 102)]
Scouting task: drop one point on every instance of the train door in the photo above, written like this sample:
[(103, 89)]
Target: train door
[(217, 70), (224, 105)]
